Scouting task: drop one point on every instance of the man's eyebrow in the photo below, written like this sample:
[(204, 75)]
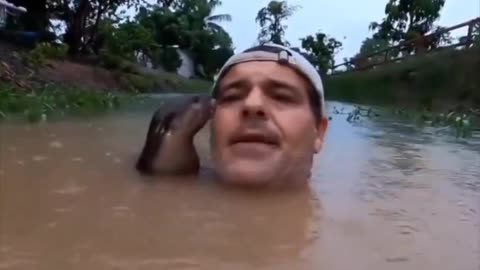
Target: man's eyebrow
[(239, 83), (280, 83), (244, 83)]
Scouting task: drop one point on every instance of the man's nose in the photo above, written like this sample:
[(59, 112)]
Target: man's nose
[(254, 104)]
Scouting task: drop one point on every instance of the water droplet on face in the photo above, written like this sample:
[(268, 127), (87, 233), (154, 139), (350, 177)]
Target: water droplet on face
[(20, 162), (77, 159), (108, 154)]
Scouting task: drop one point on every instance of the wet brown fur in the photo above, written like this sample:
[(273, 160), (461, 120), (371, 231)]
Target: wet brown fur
[(169, 148)]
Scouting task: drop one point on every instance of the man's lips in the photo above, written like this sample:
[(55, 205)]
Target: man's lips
[(255, 137)]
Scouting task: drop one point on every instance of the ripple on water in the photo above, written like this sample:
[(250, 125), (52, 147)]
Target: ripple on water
[(20, 162), (63, 210), (8, 263), (39, 158), (71, 188), (167, 263), (408, 214), (56, 144)]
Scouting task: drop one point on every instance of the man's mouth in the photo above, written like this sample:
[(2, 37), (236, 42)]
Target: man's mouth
[(253, 138)]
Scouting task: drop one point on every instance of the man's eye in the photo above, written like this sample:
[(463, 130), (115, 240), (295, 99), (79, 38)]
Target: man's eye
[(229, 97), (283, 97)]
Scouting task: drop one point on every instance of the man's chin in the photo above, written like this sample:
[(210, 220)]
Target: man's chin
[(248, 173)]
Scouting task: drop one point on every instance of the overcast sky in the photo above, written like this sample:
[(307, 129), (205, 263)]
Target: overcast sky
[(340, 18)]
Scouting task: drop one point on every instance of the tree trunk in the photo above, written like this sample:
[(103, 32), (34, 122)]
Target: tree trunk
[(76, 28)]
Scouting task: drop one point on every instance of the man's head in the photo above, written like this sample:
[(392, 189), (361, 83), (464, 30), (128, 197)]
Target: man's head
[(269, 118)]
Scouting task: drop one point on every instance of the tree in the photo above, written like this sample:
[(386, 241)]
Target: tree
[(407, 19), (190, 25), (271, 20), (321, 50), (83, 18), (129, 40), (370, 46)]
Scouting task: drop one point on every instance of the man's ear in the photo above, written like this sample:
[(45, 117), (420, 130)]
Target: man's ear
[(321, 129)]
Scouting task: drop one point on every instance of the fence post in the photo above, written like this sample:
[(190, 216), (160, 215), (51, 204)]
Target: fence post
[(469, 35)]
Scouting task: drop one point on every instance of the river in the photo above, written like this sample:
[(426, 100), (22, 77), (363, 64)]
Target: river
[(384, 195)]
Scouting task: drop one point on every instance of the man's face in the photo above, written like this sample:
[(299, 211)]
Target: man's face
[(263, 128)]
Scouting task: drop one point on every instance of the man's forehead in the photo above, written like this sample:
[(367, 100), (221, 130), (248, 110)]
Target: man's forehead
[(262, 71)]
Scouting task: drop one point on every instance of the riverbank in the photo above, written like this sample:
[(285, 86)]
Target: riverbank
[(44, 82), (439, 89), (437, 81)]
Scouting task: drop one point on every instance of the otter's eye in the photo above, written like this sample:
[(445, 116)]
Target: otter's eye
[(196, 99)]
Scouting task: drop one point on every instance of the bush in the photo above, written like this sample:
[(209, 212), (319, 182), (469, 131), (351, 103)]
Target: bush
[(43, 51), (110, 61), (445, 76), (168, 58), (55, 100)]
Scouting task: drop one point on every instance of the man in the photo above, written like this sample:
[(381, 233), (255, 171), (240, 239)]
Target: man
[(269, 119)]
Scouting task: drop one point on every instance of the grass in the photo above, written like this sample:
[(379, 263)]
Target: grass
[(161, 82), (435, 80), (52, 101), (135, 78)]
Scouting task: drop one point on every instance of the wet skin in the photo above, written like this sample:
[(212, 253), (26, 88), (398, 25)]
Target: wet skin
[(169, 149)]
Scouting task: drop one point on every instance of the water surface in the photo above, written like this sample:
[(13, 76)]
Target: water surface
[(384, 195)]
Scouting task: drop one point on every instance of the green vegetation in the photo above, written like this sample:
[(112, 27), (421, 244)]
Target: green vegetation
[(143, 83), (459, 121), (141, 53), (43, 51), (52, 101), (431, 86), (440, 88), (449, 76)]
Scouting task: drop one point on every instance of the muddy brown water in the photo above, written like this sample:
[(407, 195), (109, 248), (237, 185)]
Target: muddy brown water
[(384, 195)]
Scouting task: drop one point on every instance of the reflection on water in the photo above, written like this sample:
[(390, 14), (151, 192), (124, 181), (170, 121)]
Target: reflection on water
[(384, 195)]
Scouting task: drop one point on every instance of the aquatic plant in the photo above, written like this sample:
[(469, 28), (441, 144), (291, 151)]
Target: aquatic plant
[(460, 121), (357, 113), (54, 100)]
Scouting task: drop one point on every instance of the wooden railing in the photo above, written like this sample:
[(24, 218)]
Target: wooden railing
[(418, 45)]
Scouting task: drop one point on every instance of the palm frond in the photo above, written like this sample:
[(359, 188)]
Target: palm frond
[(219, 18)]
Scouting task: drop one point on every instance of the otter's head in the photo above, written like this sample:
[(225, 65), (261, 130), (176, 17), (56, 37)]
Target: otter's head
[(192, 114)]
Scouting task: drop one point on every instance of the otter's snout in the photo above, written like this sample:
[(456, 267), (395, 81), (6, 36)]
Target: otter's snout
[(201, 103)]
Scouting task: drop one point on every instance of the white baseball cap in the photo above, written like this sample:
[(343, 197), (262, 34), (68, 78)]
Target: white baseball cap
[(281, 54)]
